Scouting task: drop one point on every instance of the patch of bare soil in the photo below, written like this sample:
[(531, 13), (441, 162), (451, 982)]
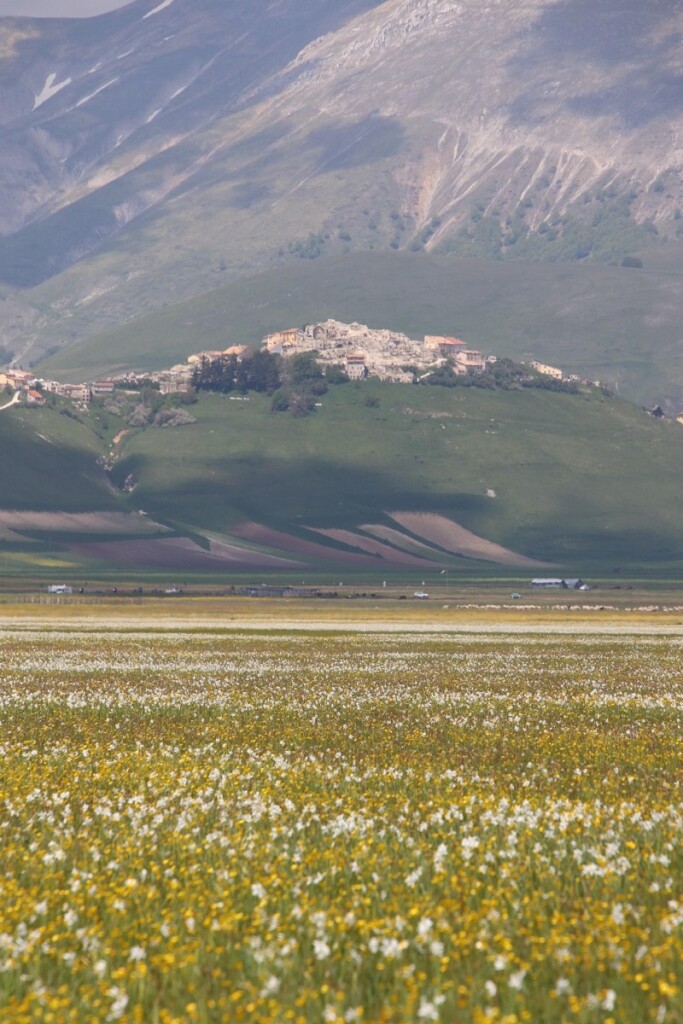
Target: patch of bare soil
[(295, 545), (176, 553), (375, 547), (459, 541), (402, 540), (233, 553)]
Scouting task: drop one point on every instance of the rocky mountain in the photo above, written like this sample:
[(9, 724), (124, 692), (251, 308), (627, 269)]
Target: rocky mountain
[(156, 151)]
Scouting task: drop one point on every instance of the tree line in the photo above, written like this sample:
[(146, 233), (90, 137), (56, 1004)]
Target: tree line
[(294, 383)]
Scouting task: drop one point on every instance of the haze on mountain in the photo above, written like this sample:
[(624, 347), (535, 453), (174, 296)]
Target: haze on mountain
[(162, 148), (58, 8)]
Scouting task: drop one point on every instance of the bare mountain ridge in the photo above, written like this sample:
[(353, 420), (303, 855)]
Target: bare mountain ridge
[(79, 98), (199, 137)]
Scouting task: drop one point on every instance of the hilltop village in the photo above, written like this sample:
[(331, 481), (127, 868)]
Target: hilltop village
[(355, 348)]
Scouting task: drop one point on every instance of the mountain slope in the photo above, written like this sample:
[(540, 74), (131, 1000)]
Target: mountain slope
[(208, 138)]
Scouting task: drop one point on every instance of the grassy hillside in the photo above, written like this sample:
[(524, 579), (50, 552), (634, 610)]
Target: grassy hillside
[(49, 461), (587, 482), (577, 479), (612, 323)]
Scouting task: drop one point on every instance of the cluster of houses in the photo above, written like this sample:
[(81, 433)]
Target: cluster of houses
[(360, 350), (390, 355), (23, 383), (33, 390), (365, 352)]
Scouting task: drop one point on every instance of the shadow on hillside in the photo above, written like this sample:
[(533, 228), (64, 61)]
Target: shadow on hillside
[(609, 32), (626, 40), (344, 145), (284, 493), (634, 105), (611, 548)]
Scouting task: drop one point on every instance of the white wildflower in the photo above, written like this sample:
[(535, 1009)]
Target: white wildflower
[(321, 950), (440, 856), (609, 999), (119, 1003), (618, 915), (469, 845), (413, 878), (517, 980), (271, 986), (429, 1010)]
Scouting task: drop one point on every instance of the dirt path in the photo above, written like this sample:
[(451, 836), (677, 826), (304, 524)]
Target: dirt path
[(13, 401)]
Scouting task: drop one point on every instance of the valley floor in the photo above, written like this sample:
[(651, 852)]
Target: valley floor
[(221, 818)]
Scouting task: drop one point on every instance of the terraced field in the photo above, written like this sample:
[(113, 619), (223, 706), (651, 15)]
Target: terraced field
[(204, 825)]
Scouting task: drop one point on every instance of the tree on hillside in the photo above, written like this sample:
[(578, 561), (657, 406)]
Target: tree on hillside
[(261, 371), (304, 374)]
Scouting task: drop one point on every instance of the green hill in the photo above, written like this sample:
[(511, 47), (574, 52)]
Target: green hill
[(585, 482), (608, 323), (48, 461), (583, 478)]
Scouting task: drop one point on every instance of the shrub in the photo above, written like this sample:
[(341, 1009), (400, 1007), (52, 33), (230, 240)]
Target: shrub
[(173, 418), (280, 401)]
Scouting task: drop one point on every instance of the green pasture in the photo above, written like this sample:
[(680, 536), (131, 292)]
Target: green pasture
[(586, 477)]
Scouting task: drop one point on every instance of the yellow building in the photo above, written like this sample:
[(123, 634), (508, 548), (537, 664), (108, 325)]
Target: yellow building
[(288, 338), (447, 346), (547, 371), (470, 359)]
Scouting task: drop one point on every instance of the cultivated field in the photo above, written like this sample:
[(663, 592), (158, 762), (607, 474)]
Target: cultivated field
[(200, 824)]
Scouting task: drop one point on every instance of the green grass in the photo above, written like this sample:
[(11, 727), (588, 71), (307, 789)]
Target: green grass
[(588, 482), (611, 323), (583, 478), (49, 461)]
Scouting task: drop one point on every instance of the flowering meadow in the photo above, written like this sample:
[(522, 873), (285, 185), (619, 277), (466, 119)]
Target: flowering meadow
[(262, 827)]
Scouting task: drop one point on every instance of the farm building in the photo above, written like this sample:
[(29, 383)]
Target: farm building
[(555, 583)]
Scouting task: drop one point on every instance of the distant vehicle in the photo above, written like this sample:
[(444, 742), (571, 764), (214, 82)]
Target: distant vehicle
[(515, 597), (60, 588), (421, 594)]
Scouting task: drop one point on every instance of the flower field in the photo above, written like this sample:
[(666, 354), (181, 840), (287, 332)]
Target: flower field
[(335, 828)]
